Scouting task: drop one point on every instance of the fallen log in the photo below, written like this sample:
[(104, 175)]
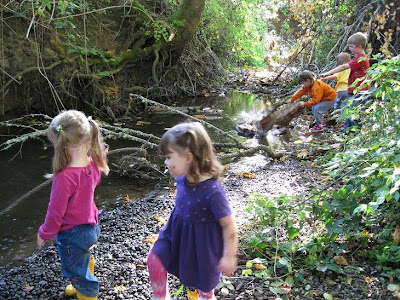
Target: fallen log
[(281, 117)]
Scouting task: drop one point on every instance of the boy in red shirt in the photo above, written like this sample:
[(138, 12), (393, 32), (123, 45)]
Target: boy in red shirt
[(322, 97), (358, 70)]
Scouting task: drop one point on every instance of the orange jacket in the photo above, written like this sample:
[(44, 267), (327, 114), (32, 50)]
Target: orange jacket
[(320, 91)]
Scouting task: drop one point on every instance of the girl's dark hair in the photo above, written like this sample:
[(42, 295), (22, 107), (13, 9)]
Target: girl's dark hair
[(306, 75), (192, 137), (72, 128)]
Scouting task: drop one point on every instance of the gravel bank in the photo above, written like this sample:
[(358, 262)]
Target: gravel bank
[(121, 252)]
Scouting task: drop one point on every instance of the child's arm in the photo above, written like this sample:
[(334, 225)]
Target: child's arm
[(228, 263), (332, 77), (300, 93), (336, 70)]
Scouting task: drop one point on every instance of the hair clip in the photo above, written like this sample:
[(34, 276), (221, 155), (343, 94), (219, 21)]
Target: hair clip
[(89, 118), (59, 128)]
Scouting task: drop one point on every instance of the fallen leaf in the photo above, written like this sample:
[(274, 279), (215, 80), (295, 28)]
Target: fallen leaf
[(126, 198), (28, 288), (283, 158), (160, 219), (151, 239), (119, 288), (285, 288), (302, 154), (313, 165), (340, 260), (192, 295), (141, 123), (396, 234), (349, 280), (248, 175), (370, 279), (298, 142), (259, 267), (327, 296), (113, 90), (364, 233)]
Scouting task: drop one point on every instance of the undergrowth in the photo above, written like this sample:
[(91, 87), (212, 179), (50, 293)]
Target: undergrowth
[(359, 209)]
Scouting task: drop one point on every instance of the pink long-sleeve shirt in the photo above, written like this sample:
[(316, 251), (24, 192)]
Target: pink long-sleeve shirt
[(71, 200)]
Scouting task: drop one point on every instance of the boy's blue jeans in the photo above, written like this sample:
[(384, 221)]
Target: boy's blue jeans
[(348, 104), (73, 246), (320, 108)]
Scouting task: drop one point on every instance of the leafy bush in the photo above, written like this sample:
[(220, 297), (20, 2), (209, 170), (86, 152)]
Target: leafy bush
[(362, 210)]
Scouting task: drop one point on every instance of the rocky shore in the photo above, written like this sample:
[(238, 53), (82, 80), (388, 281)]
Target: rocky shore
[(128, 227)]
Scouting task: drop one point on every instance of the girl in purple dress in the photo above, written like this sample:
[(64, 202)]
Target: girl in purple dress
[(199, 240), (72, 216)]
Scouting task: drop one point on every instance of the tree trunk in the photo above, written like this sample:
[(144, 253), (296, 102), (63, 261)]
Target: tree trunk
[(189, 12)]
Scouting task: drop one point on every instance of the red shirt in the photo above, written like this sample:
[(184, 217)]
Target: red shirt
[(358, 69)]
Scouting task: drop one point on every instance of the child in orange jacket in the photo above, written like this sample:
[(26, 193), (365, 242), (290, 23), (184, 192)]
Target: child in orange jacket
[(322, 97)]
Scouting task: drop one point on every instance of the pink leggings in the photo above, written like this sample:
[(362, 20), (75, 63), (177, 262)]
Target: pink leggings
[(158, 279)]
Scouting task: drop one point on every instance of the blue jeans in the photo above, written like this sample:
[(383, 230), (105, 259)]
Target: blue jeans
[(349, 104), (73, 246), (340, 96), (320, 108)]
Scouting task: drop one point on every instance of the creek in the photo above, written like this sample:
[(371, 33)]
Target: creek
[(22, 169)]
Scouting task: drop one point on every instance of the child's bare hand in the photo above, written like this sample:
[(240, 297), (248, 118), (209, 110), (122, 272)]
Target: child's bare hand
[(40, 242), (106, 149), (227, 265)]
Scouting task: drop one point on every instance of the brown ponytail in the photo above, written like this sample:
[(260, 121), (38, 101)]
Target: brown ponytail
[(97, 147)]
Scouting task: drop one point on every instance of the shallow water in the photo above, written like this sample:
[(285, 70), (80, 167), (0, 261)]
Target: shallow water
[(22, 169)]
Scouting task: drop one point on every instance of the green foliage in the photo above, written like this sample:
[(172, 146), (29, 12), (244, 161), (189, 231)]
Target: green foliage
[(179, 291), (225, 286), (235, 31), (388, 255), (363, 209)]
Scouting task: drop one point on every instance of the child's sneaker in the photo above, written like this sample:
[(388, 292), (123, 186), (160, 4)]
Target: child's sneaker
[(341, 127), (317, 128)]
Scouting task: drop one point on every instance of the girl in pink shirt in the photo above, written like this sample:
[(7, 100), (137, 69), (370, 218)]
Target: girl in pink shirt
[(72, 216)]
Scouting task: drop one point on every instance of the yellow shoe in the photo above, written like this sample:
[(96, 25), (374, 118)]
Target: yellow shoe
[(81, 297), (69, 289)]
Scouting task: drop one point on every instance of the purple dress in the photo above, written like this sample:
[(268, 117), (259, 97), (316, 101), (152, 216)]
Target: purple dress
[(191, 244)]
